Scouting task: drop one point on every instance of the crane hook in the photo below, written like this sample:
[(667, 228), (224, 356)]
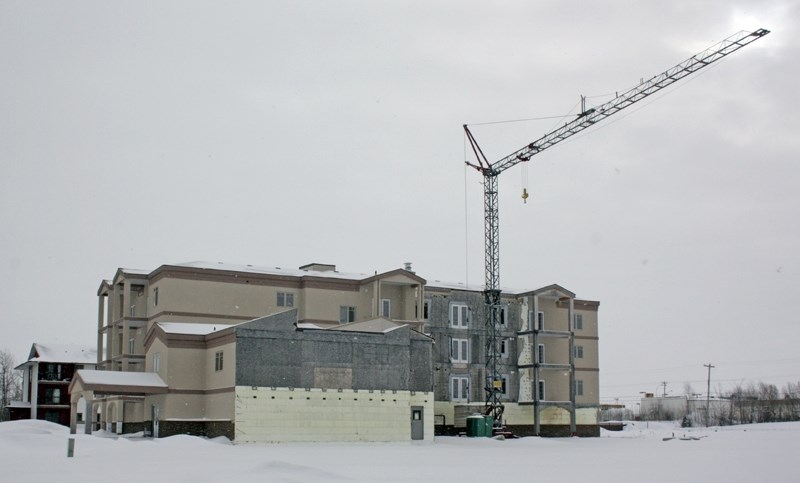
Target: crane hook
[(525, 195)]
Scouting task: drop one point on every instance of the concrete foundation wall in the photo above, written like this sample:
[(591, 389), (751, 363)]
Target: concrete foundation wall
[(268, 415)]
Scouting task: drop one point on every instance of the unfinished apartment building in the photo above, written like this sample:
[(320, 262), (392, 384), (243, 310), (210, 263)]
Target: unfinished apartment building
[(549, 359), (184, 323)]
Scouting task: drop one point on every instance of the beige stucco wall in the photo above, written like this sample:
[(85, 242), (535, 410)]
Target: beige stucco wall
[(282, 415)]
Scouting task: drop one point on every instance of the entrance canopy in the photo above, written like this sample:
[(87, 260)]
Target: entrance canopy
[(117, 383)]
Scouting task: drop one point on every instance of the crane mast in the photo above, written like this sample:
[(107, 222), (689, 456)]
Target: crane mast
[(491, 171)]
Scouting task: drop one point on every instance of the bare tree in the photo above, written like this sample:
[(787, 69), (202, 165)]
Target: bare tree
[(10, 383)]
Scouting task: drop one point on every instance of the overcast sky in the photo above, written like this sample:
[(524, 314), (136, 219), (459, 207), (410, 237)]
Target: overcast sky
[(136, 134)]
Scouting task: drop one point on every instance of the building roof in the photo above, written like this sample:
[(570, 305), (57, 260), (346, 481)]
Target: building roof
[(61, 353), (118, 382), (374, 326), (192, 328)]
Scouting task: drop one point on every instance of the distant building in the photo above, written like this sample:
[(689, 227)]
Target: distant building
[(46, 376)]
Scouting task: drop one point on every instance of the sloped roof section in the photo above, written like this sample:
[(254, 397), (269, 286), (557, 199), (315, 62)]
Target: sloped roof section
[(117, 382), (374, 326), (63, 353), (192, 328)]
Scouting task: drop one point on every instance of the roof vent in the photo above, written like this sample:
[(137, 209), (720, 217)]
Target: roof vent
[(407, 266), (318, 267)]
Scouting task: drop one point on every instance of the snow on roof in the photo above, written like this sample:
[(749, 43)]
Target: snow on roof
[(192, 328), (76, 354), (135, 271), (272, 270), (378, 326), (120, 378)]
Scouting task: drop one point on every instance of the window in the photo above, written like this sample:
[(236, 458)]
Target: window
[(218, 361), (540, 321), (579, 352), (504, 347), (131, 345), (426, 307), (578, 387), (155, 296), (504, 380), (578, 322), (347, 314), (156, 362), (285, 299), (541, 393), (459, 350), (540, 359), (459, 318), (133, 311), (459, 388), (386, 308), (502, 315)]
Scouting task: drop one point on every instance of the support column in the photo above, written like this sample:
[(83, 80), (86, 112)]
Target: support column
[(88, 422), (34, 390), (126, 331), (537, 410), (100, 324), (73, 417), (572, 417)]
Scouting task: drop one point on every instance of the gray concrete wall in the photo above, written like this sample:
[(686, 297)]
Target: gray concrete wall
[(272, 352)]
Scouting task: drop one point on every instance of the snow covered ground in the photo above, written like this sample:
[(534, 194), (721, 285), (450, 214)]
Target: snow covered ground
[(35, 451)]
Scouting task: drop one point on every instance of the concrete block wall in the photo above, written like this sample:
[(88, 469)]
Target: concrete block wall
[(280, 414)]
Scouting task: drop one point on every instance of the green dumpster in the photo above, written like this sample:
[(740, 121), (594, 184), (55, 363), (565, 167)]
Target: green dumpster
[(476, 426), (488, 429)]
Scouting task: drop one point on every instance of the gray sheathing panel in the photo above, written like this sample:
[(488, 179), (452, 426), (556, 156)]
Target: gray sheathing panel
[(272, 352)]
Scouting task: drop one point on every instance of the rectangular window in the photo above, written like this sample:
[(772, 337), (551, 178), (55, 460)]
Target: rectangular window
[(285, 299), (426, 307), (386, 308), (459, 350), (578, 387), (504, 348), (540, 321), (155, 296), (459, 315), (578, 322), (459, 389), (156, 362), (347, 314), (541, 393), (132, 312), (579, 352), (131, 345), (541, 354), (502, 316), (218, 361), (504, 385)]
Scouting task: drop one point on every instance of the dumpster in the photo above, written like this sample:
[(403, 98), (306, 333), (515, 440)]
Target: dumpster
[(476, 426), (488, 429)]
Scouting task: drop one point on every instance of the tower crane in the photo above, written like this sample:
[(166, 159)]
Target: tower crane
[(491, 171)]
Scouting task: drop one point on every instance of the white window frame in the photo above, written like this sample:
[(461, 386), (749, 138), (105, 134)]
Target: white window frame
[(541, 354), (541, 391), (460, 350), (459, 388), (347, 314), (132, 345), (579, 352), (504, 347), (155, 296), (132, 310), (156, 362), (459, 315), (386, 308), (578, 387), (506, 380), (219, 360), (578, 321), (285, 299)]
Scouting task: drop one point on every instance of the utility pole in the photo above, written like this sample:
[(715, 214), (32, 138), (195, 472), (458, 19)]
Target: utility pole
[(665, 388), (708, 394)]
